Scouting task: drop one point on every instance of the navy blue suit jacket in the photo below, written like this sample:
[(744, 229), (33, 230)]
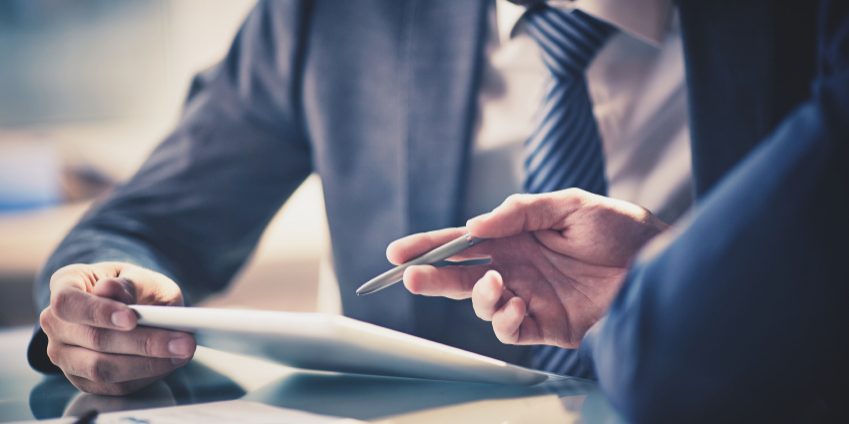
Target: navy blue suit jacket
[(743, 314)]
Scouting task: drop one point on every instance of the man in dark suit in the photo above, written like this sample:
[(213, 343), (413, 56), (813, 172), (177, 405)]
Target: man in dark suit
[(413, 112), (738, 314)]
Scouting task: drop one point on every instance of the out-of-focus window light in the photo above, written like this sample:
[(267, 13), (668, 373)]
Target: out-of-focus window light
[(95, 64), (80, 59)]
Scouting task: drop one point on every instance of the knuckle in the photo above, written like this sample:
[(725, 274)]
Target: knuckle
[(574, 196), (122, 268), (503, 335), (477, 294), (147, 345), (70, 275), (96, 311), (480, 303), (481, 312), (515, 200), (499, 335), (476, 303), (91, 313), (45, 319), (53, 352), (72, 269), (97, 338), (99, 313), (59, 302), (575, 193)]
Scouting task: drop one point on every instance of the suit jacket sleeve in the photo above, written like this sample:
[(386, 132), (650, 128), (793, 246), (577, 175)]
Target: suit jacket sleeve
[(198, 205), (742, 314)]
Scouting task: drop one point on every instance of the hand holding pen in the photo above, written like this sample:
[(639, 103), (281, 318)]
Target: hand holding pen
[(556, 261)]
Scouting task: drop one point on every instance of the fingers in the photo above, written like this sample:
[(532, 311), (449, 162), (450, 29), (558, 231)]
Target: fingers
[(528, 212), (455, 282), (102, 367), (140, 341), (74, 305), (404, 249), (71, 301), (493, 302), (507, 321), (487, 294), (92, 333)]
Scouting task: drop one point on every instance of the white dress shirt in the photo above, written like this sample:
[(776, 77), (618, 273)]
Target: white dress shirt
[(636, 83)]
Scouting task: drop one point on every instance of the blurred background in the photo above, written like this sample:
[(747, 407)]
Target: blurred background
[(87, 89)]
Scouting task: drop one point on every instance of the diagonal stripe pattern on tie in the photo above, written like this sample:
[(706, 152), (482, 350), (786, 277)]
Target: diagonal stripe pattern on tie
[(565, 148)]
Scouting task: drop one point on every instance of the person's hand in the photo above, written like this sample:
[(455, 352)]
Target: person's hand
[(557, 262), (92, 334)]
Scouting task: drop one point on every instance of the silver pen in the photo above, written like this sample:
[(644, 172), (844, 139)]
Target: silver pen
[(436, 255)]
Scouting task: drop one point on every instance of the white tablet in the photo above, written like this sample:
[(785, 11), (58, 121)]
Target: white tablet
[(334, 343)]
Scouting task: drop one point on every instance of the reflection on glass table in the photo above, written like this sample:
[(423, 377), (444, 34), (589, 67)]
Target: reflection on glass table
[(216, 376)]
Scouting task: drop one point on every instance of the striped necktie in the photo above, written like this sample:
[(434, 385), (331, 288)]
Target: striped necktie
[(565, 148)]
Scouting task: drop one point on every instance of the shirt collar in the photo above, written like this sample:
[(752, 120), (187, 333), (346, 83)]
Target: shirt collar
[(647, 20)]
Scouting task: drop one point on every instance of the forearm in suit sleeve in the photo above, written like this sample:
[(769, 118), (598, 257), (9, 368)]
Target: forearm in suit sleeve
[(198, 205), (743, 314)]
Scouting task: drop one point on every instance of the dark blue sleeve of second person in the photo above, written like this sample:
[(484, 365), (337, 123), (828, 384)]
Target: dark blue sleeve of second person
[(742, 313)]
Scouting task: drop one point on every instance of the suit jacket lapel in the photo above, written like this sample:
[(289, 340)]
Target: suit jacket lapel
[(444, 52)]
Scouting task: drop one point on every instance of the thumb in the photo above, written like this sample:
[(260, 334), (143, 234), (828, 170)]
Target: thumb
[(528, 212), (120, 289), (149, 287)]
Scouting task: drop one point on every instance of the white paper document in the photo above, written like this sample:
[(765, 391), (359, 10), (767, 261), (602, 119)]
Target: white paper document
[(334, 343)]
